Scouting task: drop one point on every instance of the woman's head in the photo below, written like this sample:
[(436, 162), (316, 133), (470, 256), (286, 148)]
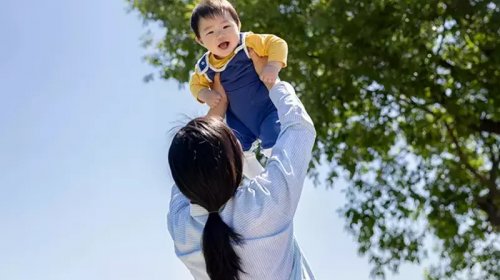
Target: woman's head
[(206, 163), (205, 159)]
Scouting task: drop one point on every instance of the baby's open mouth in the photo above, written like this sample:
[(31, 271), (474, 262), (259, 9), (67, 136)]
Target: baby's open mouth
[(224, 45)]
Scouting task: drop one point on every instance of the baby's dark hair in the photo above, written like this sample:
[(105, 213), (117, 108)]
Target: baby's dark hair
[(211, 9)]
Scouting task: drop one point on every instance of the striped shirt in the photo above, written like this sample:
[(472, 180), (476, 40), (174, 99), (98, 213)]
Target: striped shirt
[(262, 210)]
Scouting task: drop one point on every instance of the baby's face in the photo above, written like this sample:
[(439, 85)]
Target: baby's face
[(220, 35)]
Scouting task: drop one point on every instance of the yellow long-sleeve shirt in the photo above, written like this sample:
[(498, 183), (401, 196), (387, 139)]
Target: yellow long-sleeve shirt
[(272, 46)]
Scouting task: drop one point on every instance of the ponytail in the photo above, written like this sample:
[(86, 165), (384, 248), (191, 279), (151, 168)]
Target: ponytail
[(223, 263)]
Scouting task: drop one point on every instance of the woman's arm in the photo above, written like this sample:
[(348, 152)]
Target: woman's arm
[(297, 135), (271, 199), (287, 167), (220, 109)]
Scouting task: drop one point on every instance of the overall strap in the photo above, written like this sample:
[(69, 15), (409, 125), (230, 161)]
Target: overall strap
[(242, 45), (202, 66)]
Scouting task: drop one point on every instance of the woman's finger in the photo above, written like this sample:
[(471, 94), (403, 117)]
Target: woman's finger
[(259, 62), (219, 109), (217, 86)]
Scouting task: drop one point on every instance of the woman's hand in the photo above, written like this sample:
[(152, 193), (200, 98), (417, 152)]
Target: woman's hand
[(220, 109), (210, 96), (270, 72), (260, 63)]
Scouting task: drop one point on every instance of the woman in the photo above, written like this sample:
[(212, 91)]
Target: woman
[(222, 230)]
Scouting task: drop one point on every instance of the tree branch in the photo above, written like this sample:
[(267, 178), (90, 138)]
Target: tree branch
[(488, 203), (463, 157), (489, 126), (495, 162)]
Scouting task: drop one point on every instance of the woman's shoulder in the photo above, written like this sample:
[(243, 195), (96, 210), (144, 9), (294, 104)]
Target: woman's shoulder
[(255, 209)]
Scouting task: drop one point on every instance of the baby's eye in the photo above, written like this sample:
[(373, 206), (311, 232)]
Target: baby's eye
[(226, 26), (210, 32)]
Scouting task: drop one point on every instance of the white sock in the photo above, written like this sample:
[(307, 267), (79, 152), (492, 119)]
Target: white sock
[(251, 166)]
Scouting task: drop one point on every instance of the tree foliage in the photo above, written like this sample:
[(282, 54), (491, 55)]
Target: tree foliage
[(405, 98)]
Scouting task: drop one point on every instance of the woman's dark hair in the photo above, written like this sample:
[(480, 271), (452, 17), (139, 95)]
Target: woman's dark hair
[(211, 9), (205, 159)]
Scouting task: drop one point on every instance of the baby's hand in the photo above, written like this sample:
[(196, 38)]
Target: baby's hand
[(270, 72), (211, 97)]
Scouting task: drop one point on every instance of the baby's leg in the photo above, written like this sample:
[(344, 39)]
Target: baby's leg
[(266, 152), (251, 166)]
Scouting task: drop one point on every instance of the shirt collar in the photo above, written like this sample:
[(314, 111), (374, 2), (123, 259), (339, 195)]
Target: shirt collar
[(196, 210)]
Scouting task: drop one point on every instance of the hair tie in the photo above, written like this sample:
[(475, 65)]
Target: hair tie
[(217, 211)]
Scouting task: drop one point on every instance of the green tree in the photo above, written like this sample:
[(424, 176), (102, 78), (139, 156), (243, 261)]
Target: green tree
[(405, 98)]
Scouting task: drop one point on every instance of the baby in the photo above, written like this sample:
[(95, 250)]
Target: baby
[(250, 113)]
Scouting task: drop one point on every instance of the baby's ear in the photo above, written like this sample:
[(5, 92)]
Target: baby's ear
[(198, 40)]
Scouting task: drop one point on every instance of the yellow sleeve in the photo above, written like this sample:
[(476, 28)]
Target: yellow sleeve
[(272, 46), (197, 83)]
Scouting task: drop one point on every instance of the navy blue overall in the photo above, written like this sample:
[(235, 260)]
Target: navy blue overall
[(251, 113)]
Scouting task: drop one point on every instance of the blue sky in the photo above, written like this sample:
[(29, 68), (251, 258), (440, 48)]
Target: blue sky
[(84, 184)]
